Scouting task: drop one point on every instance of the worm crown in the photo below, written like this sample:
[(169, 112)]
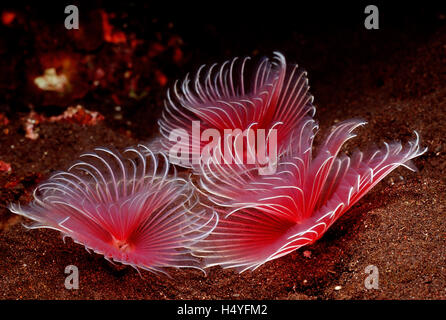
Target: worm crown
[(132, 208)]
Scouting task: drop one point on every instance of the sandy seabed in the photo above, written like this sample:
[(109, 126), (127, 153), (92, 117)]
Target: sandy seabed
[(394, 78)]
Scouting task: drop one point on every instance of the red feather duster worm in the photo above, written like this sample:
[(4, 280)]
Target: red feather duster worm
[(219, 97), (265, 217), (127, 207)]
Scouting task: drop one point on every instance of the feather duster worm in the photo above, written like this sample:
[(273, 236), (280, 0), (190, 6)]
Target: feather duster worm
[(268, 216), (218, 97), (126, 207)]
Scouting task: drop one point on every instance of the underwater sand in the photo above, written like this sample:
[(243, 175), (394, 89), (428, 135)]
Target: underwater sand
[(395, 79)]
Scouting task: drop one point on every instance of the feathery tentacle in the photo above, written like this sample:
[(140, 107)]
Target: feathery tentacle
[(276, 214), (127, 207), (219, 97)]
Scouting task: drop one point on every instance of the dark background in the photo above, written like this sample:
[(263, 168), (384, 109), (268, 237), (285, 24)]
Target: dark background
[(394, 78), (324, 37)]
